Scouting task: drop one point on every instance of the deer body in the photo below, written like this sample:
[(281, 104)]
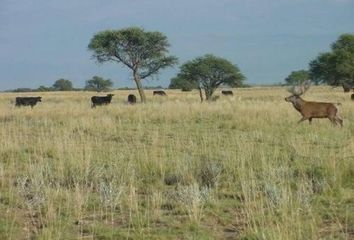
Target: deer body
[(311, 110)]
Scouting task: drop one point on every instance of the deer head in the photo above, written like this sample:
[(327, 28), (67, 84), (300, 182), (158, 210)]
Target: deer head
[(297, 91)]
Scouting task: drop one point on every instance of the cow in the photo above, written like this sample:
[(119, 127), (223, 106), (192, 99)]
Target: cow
[(310, 110), (352, 97), (227, 92), (101, 100), (27, 101), (159, 92), (131, 99)]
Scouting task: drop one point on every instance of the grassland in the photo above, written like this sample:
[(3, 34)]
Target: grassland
[(238, 168)]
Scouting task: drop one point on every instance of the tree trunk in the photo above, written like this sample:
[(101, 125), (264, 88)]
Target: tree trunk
[(140, 87), (200, 94), (208, 94)]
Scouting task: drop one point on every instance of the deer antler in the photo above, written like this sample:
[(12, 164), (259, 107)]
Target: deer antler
[(298, 90)]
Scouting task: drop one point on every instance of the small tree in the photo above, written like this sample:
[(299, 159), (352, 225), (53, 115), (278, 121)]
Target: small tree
[(98, 84), (144, 53), (63, 85), (297, 77), (210, 72)]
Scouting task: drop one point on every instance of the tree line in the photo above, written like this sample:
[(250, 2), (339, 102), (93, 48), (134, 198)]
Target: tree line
[(96, 83)]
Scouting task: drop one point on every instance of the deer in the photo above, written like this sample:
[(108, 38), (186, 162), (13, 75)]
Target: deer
[(310, 110)]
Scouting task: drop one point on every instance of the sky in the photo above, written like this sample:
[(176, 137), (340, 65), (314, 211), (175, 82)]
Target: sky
[(42, 41)]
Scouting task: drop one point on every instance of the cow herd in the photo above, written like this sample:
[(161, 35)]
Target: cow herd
[(97, 100)]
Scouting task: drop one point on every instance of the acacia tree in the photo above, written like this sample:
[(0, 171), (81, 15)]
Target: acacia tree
[(209, 72), (98, 84), (144, 53), (337, 66)]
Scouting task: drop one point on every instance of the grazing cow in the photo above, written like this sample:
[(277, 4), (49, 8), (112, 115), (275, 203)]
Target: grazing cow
[(311, 110), (131, 99), (27, 101), (101, 100), (227, 92), (352, 97), (159, 92)]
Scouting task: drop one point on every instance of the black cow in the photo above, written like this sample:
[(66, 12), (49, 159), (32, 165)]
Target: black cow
[(101, 100), (131, 99), (159, 92), (27, 101), (227, 92)]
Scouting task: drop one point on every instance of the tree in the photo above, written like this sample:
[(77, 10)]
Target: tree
[(63, 85), (337, 66), (323, 69), (144, 53), (98, 84), (297, 77), (210, 72)]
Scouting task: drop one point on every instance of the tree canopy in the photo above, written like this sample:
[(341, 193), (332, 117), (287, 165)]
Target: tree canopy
[(143, 52), (209, 72), (63, 85), (297, 77), (337, 66), (183, 84), (98, 84)]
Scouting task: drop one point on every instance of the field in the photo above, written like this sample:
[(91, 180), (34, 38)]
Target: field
[(175, 168)]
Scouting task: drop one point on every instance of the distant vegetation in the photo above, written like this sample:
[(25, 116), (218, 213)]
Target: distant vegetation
[(63, 85), (146, 53), (95, 84), (337, 66), (332, 68), (98, 84)]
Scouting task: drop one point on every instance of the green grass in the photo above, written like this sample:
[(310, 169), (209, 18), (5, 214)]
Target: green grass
[(238, 168)]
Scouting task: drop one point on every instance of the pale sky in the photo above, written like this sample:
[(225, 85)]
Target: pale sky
[(44, 40)]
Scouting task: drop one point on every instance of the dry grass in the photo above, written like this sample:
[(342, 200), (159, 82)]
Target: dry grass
[(238, 168)]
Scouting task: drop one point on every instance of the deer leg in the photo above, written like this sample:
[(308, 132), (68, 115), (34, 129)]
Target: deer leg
[(302, 119), (339, 121), (333, 120)]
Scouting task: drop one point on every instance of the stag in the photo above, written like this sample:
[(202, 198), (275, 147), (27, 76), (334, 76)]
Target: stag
[(310, 110)]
